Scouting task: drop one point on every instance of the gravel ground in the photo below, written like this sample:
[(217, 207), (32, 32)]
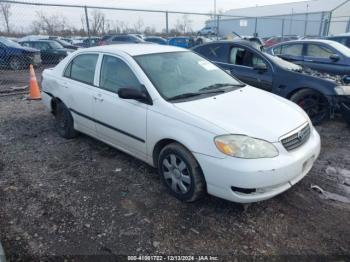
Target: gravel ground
[(81, 197)]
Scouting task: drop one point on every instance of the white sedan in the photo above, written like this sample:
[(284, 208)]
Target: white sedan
[(204, 130)]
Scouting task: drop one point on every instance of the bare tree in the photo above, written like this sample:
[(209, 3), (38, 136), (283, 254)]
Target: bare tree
[(183, 24), (138, 25), (6, 13), (97, 22), (49, 24)]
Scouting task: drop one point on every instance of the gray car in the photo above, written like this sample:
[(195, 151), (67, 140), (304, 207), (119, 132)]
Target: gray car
[(124, 39)]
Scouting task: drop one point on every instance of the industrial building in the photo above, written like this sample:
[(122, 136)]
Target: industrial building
[(306, 18)]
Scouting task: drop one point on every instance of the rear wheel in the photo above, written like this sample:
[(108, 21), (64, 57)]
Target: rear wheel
[(181, 173), (15, 63), (64, 122), (314, 104)]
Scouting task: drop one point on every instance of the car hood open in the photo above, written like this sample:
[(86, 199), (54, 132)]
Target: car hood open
[(248, 111)]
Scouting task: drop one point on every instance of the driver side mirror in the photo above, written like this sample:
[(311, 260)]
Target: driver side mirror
[(260, 67), (135, 94), (334, 57)]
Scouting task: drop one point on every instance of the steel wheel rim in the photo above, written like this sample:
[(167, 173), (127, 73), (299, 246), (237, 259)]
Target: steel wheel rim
[(176, 174), (15, 64)]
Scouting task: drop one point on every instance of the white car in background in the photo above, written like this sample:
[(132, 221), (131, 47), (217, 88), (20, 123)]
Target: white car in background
[(204, 130)]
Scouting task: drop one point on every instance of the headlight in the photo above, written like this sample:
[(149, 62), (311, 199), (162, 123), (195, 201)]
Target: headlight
[(245, 147), (342, 90)]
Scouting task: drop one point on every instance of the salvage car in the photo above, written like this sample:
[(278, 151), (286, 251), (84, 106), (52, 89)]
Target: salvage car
[(321, 55), (17, 57), (320, 95), (51, 51), (203, 129)]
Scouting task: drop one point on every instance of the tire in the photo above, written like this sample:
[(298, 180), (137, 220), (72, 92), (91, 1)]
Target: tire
[(314, 104), (15, 63), (64, 122), (181, 173)]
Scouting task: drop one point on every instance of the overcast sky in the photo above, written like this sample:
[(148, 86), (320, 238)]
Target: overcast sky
[(183, 5), (22, 16)]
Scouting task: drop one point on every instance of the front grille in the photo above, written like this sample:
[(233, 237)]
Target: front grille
[(297, 139)]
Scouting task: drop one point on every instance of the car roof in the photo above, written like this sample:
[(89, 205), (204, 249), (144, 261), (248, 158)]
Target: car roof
[(324, 41), (41, 40), (236, 41), (136, 49)]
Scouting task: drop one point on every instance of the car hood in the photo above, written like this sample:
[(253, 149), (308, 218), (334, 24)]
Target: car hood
[(248, 111), (24, 48)]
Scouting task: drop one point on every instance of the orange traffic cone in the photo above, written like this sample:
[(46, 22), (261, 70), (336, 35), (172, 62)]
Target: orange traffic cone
[(34, 91)]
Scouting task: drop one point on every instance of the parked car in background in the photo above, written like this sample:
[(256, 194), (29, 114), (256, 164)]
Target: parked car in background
[(17, 57), (124, 39), (182, 41), (141, 36), (89, 42), (208, 30), (321, 55), (65, 44), (103, 39), (156, 39), (204, 130), (319, 95), (343, 39), (280, 39), (51, 52), (33, 37)]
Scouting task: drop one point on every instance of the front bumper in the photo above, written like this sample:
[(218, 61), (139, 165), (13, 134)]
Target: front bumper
[(267, 177)]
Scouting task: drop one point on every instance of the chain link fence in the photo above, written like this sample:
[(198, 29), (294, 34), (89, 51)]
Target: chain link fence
[(26, 24)]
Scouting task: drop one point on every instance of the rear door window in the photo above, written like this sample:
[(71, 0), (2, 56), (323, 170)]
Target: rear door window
[(214, 52), (292, 50), (319, 51), (82, 68)]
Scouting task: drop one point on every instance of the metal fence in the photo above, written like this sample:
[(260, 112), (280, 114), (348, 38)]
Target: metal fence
[(24, 18)]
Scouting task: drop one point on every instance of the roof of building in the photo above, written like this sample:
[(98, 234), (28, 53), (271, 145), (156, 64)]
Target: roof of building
[(311, 6)]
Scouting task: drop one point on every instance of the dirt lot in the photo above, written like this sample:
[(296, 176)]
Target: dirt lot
[(81, 197)]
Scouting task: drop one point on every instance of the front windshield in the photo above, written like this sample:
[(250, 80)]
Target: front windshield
[(8, 42), (55, 45), (341, 48), (179, 73), (283, 63)]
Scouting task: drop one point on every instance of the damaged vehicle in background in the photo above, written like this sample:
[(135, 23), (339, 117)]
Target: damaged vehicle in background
[(320, 95), (203, 129)]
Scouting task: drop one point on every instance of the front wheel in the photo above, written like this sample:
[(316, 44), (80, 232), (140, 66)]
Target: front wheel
[(181, 173), (314, 104)]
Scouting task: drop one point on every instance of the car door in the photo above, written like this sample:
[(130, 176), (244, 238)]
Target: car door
[(247, 65), (318, 57), (119, 122), (78, 91), (290, 52)]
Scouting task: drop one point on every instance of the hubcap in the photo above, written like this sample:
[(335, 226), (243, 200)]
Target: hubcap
[(176, 174)]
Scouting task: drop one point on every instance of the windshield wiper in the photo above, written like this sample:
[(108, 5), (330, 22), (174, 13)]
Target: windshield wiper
[(189, 95), (220, 85)]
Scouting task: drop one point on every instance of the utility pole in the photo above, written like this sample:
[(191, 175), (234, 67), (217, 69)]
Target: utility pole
[(216, 20), (306, 18)]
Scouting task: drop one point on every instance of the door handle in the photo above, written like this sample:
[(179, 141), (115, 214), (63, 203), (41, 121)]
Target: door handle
[(308, 60), (97, 99)]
